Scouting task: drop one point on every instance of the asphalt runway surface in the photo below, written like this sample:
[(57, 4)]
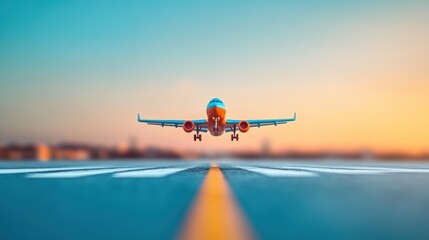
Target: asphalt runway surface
[(222, 199)]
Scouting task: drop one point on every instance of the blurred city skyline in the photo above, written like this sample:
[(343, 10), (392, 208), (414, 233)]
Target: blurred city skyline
[(356, 73)]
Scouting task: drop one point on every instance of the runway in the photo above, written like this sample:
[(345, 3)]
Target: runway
[(209, 199)]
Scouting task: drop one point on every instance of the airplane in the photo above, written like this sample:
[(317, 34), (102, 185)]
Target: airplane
[(216, 123)]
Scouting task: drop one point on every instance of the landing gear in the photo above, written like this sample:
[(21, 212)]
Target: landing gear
[(216, 127), (198, 135), (234, 135)]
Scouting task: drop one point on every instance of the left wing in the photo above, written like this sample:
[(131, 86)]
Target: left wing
[(201, 123), (230, 123)]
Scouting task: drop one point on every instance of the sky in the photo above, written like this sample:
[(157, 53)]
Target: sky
[(355, 72)]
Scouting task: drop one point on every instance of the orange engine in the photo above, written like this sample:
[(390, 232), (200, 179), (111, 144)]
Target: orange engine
[(188, 126), (244, 126)]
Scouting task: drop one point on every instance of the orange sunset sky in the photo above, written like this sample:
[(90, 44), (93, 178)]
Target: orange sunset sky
[(356, 73)]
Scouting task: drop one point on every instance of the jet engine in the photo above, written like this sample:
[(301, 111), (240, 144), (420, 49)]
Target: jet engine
[(244, 126), (188, 126)]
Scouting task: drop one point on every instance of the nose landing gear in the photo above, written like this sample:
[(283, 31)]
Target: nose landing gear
[(216, 126)]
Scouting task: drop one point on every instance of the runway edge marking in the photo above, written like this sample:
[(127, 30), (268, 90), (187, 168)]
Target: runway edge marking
[(149, 173), (80, 173), (33, 170), (337, 170), (215, 215), (361, 168), (279, 172)]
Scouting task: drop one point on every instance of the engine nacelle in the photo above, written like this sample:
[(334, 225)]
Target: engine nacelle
[(188, 126), (244, 126)]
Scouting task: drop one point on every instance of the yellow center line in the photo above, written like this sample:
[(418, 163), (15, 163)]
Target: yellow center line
[(215, 214)]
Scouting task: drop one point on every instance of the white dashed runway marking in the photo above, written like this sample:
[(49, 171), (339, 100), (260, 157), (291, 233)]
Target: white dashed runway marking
[(32, 170), (357, 169), (337, 170), (150, 173), (279, 172), (80, 173), (293, 171)]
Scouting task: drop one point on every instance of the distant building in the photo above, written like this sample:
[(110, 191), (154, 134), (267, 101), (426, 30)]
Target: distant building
[(26, 152), (72, 151), (265, 148), (43, 152), (2, 156), (156, 153)]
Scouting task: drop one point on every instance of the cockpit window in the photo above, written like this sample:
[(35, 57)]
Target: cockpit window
[(216, 101)]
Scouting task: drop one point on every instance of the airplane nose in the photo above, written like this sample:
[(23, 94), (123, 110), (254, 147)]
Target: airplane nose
[(218, 111), (215, 103)]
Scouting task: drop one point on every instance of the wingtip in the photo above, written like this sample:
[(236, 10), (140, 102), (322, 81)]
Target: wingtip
[(138, 117), (294, 116)]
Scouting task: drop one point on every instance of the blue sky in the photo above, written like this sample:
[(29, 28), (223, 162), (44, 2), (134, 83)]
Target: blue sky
[(80, 70)]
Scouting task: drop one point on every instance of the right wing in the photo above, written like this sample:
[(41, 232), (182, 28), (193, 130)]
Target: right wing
[(201, 123), (230, 123)]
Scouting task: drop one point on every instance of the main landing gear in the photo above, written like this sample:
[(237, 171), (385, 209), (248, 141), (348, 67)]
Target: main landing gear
[(198, 135), (234, 135)]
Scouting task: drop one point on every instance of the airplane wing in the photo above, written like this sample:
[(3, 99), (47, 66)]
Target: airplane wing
[(230, 123), (201, 123)]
